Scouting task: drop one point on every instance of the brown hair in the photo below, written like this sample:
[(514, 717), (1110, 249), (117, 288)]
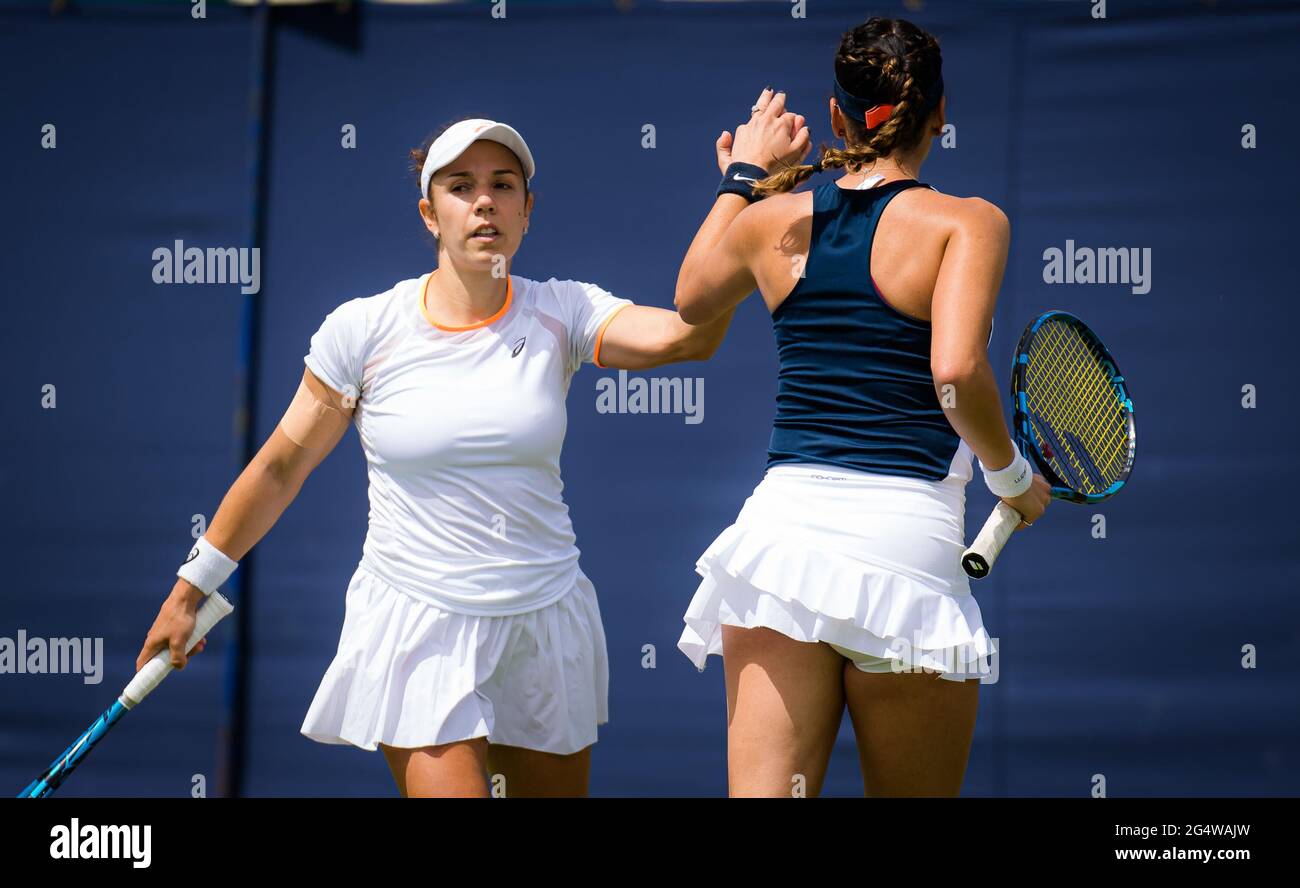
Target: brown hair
[(417, 155), (893, 62)]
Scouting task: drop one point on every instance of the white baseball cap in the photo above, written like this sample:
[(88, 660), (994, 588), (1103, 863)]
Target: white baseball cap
[(459, 136)]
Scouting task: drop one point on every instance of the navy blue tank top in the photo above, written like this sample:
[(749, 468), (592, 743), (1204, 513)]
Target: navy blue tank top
[(855, 388)]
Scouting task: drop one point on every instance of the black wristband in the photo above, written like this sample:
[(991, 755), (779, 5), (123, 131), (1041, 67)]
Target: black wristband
[(739, 179)]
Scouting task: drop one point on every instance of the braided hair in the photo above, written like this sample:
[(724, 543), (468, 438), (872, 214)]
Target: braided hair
[(890, 61)]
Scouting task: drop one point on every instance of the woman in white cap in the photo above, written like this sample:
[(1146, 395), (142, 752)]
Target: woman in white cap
[(472, 651)]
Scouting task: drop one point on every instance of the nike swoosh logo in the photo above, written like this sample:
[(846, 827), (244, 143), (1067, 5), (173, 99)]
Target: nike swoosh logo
[(739, 178)]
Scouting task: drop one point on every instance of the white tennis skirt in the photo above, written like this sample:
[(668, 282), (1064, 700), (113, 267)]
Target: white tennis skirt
[(868, 563), (409, 674)]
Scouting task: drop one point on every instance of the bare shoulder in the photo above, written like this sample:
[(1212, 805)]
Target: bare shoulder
[(971, 215), (967, 210)]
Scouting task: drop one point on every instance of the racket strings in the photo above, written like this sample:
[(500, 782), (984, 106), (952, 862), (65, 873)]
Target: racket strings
[(1076, 405), (1076, 393), (1074, 408)]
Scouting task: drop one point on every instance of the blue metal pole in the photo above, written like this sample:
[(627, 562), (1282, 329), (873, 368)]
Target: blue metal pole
[(233, 740)]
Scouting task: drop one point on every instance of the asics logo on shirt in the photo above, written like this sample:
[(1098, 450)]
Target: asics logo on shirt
[(519, 346)]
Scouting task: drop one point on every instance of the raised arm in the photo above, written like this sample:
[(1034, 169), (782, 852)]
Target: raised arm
[(716, 273), (715, 276)]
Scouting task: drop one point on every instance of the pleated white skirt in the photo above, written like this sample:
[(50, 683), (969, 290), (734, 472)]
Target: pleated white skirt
[(409, 674), (867, 563)]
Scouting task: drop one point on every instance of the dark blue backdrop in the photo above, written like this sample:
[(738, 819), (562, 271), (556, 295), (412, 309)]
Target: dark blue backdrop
[(1125, 132)]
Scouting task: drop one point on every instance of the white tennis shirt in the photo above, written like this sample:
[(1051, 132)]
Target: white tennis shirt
[(462, 429)]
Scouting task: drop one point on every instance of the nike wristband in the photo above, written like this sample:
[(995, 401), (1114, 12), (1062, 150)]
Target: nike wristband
[(740, 178), (1013, 480), (206, 567)]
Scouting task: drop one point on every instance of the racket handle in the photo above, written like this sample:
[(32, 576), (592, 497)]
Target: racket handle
[(210, 612), (978, 559)]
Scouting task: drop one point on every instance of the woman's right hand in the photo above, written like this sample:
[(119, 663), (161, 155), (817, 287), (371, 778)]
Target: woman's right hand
[(771, 136), (1032, 503), (172, 628)]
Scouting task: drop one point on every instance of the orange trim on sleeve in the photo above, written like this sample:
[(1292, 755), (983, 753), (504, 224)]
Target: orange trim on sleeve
[(424, 310), (600, 334)]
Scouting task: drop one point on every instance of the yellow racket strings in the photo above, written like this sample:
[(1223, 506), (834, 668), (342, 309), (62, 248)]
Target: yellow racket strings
[(1068, 389)]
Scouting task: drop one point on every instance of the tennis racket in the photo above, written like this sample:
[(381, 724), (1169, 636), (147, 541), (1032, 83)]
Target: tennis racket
[(1073, 418), (210, 612)]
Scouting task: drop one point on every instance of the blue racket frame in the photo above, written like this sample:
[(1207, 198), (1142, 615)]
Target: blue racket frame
[(66, 763)]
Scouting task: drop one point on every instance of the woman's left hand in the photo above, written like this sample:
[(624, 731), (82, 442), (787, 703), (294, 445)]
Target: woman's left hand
[(772, 136)]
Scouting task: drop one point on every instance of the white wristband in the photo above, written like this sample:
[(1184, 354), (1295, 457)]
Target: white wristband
[(1013, 480), (206, 567)]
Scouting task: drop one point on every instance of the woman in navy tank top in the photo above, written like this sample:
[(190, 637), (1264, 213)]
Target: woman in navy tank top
[(840, 581)]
